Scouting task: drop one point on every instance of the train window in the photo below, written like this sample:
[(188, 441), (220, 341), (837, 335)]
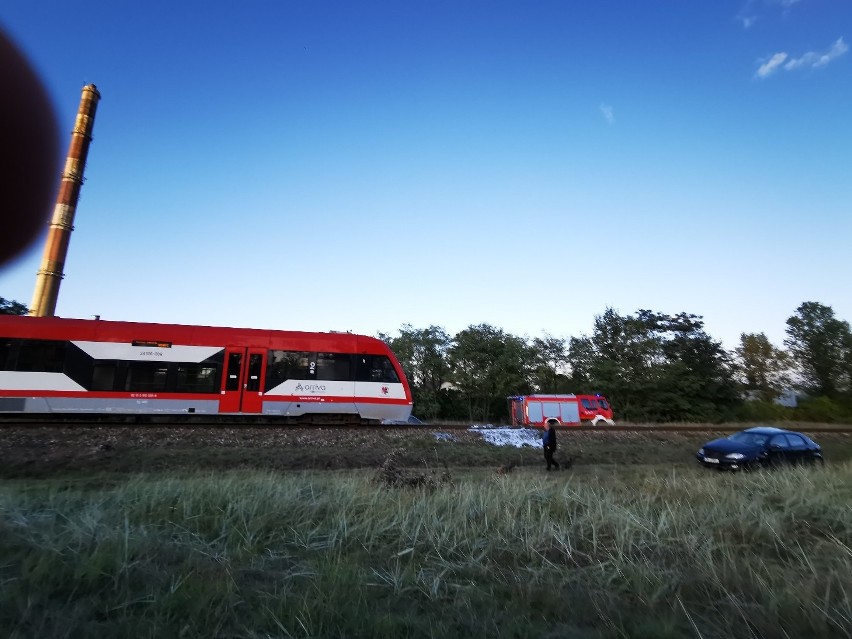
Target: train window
[(47, 356), (7, 356), (363, 364), (254, 368), (284, 365), (78, 366), (333, 366), (375, 368), (103, 376), (146, 376), (235, 362), (196, 378)]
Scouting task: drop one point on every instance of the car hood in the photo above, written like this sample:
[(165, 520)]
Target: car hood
[(725, 446)]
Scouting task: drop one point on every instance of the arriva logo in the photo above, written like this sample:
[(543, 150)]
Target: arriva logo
[(310, 388)]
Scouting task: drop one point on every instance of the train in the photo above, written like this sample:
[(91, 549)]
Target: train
[(561, 410), (52, 365)]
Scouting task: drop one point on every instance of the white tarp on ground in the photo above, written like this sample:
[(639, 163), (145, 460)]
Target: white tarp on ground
[(517, 437)]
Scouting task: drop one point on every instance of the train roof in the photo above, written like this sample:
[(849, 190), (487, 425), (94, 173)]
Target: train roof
[(109, 330)]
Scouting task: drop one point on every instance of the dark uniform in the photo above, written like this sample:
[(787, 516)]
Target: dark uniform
[(549, 442)]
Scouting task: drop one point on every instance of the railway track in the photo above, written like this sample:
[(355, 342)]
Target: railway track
[(143, 421)]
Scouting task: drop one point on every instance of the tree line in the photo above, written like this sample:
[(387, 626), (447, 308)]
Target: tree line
[(651, 365)]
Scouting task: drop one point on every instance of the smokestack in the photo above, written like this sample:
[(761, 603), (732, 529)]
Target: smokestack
[(56, 247)]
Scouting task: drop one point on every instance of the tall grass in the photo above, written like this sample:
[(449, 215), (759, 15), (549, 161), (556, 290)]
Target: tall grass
[(644, 554)]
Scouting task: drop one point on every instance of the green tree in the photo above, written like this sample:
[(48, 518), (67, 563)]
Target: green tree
[(655, 366), (619, 359), (581, 360), (422, 352), (698, 373), (550, 362), (762, 369), (821, 346), (11, 307), (488, 365)]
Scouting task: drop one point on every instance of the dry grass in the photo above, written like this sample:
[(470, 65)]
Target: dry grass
[(603, 551), (56, 451)]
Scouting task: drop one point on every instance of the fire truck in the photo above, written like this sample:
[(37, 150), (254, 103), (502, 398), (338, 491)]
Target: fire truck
[(564, 410)]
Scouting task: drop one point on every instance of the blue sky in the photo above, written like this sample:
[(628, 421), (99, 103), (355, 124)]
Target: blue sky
[(356, 166)]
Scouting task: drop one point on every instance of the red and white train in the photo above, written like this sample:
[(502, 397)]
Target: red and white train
[(55, 365)]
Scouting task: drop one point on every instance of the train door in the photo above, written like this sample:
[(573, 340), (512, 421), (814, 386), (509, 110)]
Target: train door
[(242, 386), (253, 386), (232, 384)]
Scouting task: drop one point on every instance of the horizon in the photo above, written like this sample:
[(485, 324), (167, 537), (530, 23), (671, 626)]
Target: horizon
[(329, 167)]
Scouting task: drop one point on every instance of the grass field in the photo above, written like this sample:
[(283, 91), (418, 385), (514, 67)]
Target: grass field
[(633, 541)]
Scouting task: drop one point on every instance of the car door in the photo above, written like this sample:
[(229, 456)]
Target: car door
[(798, 448), (779, 450)]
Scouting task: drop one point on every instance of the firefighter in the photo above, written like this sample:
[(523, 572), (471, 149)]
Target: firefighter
[(548, 440)]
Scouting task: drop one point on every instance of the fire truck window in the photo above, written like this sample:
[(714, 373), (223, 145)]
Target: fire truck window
[(534, 412), (587, 404), (550, 409), (603, 403), (570, 412), (333, 366)]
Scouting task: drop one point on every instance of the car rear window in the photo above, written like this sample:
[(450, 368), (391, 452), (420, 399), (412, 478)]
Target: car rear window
[(780, 441), (796, 441)]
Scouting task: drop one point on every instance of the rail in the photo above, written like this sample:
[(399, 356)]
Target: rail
[(193, 421)]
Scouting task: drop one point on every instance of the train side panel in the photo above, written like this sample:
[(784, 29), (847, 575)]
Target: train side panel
[(53, 365)]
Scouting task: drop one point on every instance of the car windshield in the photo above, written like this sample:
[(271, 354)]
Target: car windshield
[(753, 439)]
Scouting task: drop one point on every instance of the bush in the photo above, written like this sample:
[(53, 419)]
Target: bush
[(824, 409), (762, 411)]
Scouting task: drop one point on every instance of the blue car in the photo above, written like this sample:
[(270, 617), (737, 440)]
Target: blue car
[(761, 446)]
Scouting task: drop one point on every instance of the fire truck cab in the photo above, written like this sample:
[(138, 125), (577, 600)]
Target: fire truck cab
[(564, 410)]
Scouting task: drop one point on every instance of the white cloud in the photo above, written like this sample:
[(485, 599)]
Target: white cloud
[(608, 113), (747, 21), (752, 10), (809, 60), (814, 60), (771, 65)]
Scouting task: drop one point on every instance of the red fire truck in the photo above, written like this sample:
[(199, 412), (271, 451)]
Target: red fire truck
[(565, 410)]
